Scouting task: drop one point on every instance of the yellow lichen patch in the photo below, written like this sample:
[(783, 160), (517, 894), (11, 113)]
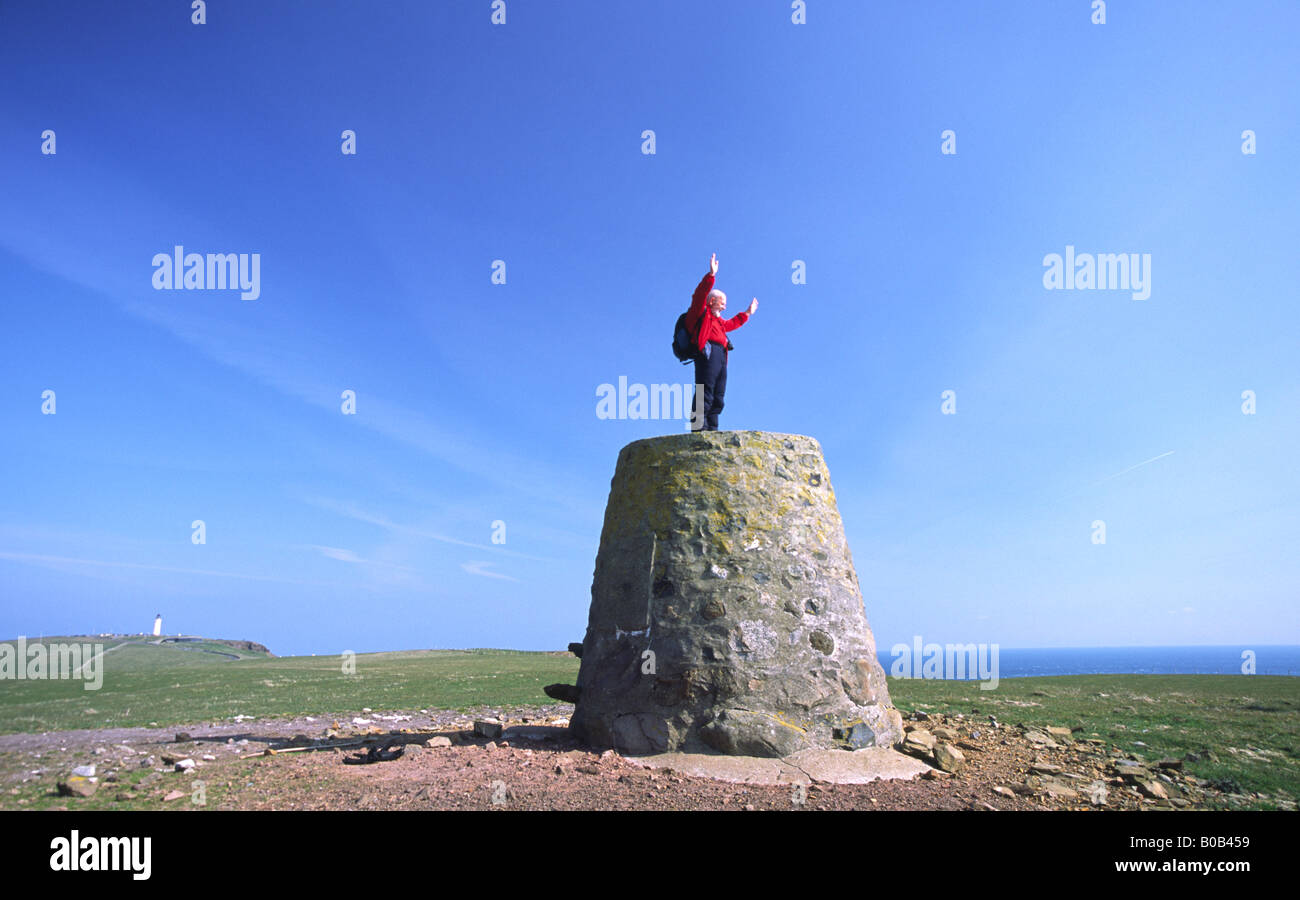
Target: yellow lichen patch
[(780, 718)]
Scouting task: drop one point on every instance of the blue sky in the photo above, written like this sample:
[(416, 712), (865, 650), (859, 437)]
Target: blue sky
[(476, 402)]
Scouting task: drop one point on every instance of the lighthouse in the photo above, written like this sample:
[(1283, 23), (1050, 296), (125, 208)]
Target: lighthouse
[(157, 625)]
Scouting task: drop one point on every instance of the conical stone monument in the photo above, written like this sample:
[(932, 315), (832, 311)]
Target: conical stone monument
[(726, 615)]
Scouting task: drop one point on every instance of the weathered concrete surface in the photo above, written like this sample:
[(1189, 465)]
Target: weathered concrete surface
[(805, 767), (726, 615), (857, 766), (735, 769)]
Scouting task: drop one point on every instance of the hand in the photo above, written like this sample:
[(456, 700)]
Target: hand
[(713, 264), (753, 306)]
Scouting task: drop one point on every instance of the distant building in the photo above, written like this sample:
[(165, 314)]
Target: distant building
[(157, 625)]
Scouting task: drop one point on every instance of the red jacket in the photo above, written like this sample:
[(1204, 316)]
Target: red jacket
[(714, 327)]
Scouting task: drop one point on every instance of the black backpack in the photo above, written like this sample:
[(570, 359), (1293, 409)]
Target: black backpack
[(684, 347)]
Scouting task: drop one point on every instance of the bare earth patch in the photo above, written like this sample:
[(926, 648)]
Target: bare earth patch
[(536, 765)]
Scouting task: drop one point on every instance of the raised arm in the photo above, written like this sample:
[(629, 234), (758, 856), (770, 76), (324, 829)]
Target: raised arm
[(701, 294), (740, 318)]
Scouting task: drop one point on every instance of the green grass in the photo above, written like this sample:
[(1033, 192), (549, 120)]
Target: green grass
[(166, 685), (1250, 723)]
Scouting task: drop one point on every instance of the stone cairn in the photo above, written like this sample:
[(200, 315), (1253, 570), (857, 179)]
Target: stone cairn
[(726, 615)]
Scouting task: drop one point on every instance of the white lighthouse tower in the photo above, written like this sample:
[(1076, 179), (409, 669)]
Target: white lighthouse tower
[(157, 625)]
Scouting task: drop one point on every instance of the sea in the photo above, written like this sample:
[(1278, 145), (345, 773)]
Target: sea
[(1027, 662)]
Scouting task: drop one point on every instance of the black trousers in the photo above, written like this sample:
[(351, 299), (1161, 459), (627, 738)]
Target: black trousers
[(711, 377)]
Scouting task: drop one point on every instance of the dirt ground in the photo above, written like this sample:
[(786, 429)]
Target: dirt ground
[(537, 766)]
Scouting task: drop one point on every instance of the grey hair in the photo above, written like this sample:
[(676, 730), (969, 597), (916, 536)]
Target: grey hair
[(715, 293)]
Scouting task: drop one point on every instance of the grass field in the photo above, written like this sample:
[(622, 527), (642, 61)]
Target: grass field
[(1251, 724), (147, 684)]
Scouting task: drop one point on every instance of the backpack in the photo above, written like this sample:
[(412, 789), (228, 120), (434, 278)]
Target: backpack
[(683, 344)]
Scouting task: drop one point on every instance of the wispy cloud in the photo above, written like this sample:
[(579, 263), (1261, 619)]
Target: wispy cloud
[(1131, 468), (480, 568), (353, 512), (343, 555), (294, 369), (273, 347), (69, 563), (337, 553), (1144, 462)]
